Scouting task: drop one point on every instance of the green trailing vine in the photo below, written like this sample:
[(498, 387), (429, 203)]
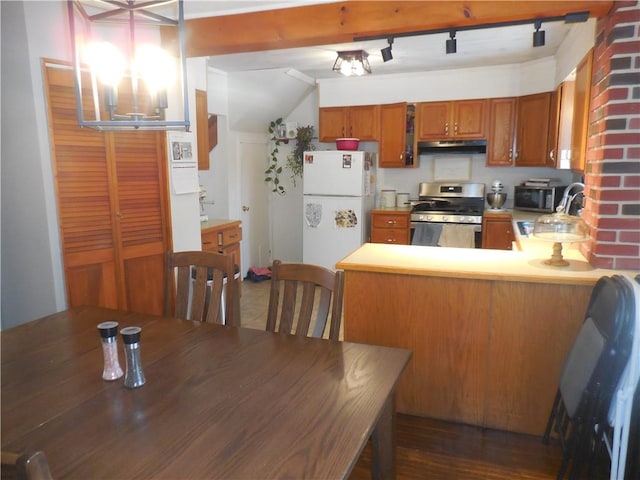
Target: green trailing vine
[(274, 170), (295, 160)]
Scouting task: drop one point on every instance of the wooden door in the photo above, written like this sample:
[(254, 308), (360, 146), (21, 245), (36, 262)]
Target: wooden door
[(581, 107), (497, 232), (432, 120), (502, 118), (553, 135), (111, 198), (393, 124), (364, 122), (332, 123), (469, 119), (202, 129), (532, 130)]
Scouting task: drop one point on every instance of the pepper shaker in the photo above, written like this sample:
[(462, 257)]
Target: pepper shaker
[(134, 376), (109, 337)]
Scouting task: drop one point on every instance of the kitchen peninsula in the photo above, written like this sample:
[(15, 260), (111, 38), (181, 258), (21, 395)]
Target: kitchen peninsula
[(489, 329)]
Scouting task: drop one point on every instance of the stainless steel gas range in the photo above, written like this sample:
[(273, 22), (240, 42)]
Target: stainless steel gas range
[(441, 205)]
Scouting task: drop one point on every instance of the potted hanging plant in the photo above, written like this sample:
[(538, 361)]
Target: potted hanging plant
[(294, 162)]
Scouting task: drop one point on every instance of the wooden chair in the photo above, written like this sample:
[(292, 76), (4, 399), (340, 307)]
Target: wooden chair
[(206, 287), (317, 283), (28, 465)]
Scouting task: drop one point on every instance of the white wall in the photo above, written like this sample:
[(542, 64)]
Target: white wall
[(575, 46), (32, 283)]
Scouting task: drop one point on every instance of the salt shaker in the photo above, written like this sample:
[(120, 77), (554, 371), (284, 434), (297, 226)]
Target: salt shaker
[(134, 376), (109, 337)]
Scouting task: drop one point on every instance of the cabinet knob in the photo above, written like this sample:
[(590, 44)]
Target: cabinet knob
[(446, 128), (391, 222), (119, 215), (245, 208), (552, 155), (391, 240), (455, 128)]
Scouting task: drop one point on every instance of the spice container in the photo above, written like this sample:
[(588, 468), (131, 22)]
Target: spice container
[(134, 376), (109, 337)]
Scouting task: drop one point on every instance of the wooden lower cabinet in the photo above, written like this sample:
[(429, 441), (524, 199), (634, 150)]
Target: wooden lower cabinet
[(497, 231), (484, 351), (390, 227), (223, 237)]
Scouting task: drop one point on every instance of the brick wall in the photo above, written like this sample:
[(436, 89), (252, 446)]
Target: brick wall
[(612, 172)]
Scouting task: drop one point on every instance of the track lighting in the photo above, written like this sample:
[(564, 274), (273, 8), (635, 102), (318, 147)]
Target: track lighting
[(538, 35), (353, 62), (452, 44), (386, 52)]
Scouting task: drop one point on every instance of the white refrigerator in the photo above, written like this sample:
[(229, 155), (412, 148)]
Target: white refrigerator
[(338, 191)]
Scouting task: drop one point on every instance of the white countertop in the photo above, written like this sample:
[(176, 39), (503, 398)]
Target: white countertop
[(526, 264)]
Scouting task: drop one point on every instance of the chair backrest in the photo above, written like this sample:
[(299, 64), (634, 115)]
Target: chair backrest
[(322, 293), (206, 287), (28, 465), (602, 347)]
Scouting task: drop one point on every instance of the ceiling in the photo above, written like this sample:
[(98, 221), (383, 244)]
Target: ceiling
[(475, 48)]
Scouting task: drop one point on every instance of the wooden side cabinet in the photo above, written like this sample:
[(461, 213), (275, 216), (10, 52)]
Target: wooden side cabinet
[(222, 237), (361, 121), (393, 145), (390, 226), (581, 108), (497, 231)]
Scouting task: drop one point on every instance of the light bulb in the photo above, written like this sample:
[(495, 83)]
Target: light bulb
[(358, 69), (155, 66), (345, 68), (106, 62)]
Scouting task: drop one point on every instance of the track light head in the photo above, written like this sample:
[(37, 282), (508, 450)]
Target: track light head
[(452, 44), (538, 35), (386, 51)]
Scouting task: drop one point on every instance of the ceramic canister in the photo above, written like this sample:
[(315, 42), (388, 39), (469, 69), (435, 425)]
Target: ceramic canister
[(402, 200), (387, 198)]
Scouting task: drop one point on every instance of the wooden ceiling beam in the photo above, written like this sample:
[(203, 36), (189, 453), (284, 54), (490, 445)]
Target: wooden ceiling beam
[(345, 21)]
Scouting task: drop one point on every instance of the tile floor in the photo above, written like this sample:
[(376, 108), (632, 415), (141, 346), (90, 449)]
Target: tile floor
[(254, 304)]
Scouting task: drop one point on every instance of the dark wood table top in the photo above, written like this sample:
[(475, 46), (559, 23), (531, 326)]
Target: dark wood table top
[(219, 402)]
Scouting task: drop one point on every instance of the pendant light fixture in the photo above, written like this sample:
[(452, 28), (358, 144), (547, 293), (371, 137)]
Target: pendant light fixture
[(352, 62), (123, 78)]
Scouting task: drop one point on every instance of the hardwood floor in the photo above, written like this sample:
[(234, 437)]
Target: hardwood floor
[(434, 449)]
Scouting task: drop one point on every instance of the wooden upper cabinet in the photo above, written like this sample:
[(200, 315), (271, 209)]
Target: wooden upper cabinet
[(581, 106), (202, 129), (533, 130), (393, 131), (553, 135), (464, 119), (362, 121), (502, 121)]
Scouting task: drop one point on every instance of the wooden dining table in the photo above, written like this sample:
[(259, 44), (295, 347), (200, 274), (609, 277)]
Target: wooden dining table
[(218, 402)]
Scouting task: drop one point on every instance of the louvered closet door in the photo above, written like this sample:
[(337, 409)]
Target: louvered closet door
[(112, 197)]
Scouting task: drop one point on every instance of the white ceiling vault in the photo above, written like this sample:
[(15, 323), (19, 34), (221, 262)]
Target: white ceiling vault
[(494, 46)]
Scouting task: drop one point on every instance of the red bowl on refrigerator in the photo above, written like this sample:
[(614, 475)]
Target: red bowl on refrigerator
[(347, 143)]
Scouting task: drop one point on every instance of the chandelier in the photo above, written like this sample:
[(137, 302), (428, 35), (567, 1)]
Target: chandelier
[(123, 78)]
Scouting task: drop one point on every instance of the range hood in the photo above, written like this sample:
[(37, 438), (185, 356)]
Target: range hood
[(452, 146)]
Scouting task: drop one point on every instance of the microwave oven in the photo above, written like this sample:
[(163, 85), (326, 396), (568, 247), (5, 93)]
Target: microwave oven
[(537, 199)]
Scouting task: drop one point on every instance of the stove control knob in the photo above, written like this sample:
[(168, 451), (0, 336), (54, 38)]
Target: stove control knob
[(445, 218), (429, 218), (462, 219)]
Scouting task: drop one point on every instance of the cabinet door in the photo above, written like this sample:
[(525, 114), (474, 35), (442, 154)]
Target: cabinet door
[(364, 122), (202, 129), (393, 123), (553, 136), (432, 120), (581, 106), (532, 130), (502, 118), (469, 118), (497, 233), (332, 123)]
